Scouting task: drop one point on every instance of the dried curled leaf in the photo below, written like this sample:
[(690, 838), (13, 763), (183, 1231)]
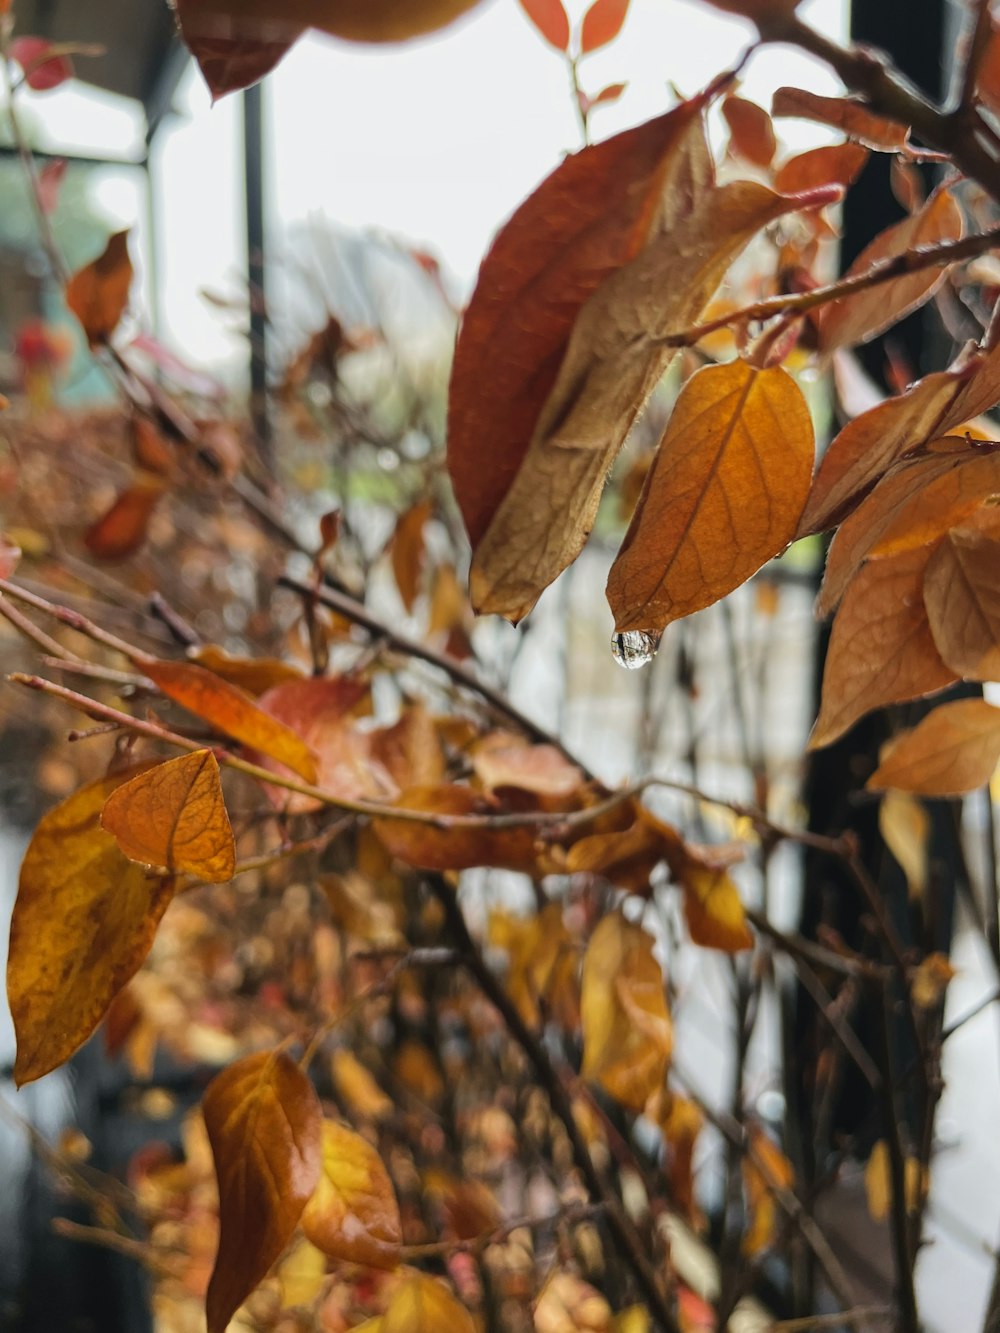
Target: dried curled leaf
[(98, 293), (264, 1125), (174, 816), (353, 1214), (627, 1032), (954, 750), (723, 496), (83, 922)]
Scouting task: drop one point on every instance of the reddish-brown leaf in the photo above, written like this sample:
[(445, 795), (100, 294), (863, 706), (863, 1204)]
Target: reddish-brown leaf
[(228, 61), (264, 1125), (751, 131), (723, 496), (455, 848), (121, 531), (962, 596), (83, 922), (407, 551), (881, 649), (231, 711), (174, 816), (602, 23), (588, 218), (98, 293), (353, 1214), (45, 66), (954, 750), (551, 20), (843, 113), (838, 164), (873, 441), (857, 318)]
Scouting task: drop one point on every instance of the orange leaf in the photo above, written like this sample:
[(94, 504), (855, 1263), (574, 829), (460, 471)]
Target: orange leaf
[(881, 650), (616, 356), (590, 216), (353, 1214), (751, 131), (876, 439), (454, 848), (765, 1169), (857, 318), (843, 113), (264, 1124), (174, 816), (256, 675), (723, 496), (407, 551), (962, 596), (840, 163), (354, 20), (124, 528), (551, 20), (98, 293), (627, 1033), (602, 23), (713, 908), (627, 857), (425, 1305), (231, 711), (954, 750), (83, 922), (504, 760)]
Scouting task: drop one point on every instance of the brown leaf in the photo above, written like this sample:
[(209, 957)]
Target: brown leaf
[(98, 293), (410, 750), (750, 129), (551, 20), (873, 441), (842, 113), (627, 1033), (407, 552), (458, 848), (264, 1125), (627, 857), (952, 751), (881, 650), (174, 816), (231, 711), (602, 23), (83, 922), (765, 1169), (425, 1305), (857, 318), (839, 163), (504, 760), (723, 496), (962, 596), (256, 675), (353, 1214), (228, 61), (914, 504), (590, 216), (615, 358), (713, 909), (123, 529)]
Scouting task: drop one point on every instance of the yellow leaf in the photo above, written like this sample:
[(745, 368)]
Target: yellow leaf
[(83, 922), (356, 1088), (353, 1214), (636, 1319), (930, 981), (952, 751), (174, 816), (905, 828), (627, 1033), (424, 1305), (878, 1182), (713, 909), (723, 496), (302, 1275), (765, 1169), (98, 293), (264, 1123)]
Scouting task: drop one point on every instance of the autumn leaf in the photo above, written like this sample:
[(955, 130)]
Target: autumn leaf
[(627, 1033), (425, 1305), (353, 20), (723, 496), (954, 750), (434, 848), (602, 23), (590, 216), (174, 816), (878, 1182), (504, 760), (264, 1125), (407, 552), (905, 827), (45, 65), (551, 20), (962, 596), (616, 355), (852, 117), (567, 1304), (230, 62), (840, 162), (713, 909), (758, 10), (353, 1214), (123, 529), (231, 711), (256, 675), (98, 293), (356, 1087), (858, 318), (83, 922), (627, 857), (765, 1170), (873, 441), (541, 978), (881, 649), (750, 129)]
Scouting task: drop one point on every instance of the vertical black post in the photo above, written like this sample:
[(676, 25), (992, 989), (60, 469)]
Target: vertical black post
[(253, 149)]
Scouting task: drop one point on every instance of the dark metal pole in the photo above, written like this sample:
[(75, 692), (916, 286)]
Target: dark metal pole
[(253, 140)]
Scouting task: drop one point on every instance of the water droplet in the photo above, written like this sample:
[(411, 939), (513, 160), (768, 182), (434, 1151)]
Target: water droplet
[(634, 649)]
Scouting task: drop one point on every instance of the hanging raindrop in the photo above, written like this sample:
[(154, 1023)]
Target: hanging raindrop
[(634, 649)]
